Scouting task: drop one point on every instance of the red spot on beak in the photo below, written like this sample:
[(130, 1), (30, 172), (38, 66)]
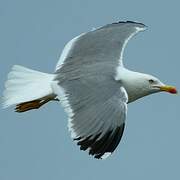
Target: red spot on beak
[(173, 91)]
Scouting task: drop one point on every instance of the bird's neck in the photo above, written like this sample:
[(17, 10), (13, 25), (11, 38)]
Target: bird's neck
[(133, 83)]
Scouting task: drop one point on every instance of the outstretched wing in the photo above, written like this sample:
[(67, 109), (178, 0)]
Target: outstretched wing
[(85, 84), (97, 111), (105, 44)]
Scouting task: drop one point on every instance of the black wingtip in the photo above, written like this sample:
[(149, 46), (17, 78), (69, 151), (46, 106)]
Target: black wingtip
[(98, 146), (132, 22)]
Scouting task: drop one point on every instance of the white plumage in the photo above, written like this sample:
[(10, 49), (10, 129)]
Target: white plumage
[(24, 85)]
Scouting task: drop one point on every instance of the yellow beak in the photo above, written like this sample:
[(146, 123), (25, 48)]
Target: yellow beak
[(170, 89)]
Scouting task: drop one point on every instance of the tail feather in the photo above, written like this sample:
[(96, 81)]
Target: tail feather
[(25, 85)]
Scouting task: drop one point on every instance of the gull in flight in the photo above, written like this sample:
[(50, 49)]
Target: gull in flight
[(92, 85)]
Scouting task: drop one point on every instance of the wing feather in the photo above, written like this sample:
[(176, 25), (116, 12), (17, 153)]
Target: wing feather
[(85, 84), (104, 45)]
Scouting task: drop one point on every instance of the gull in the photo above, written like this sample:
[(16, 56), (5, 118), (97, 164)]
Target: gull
[(91, 83)]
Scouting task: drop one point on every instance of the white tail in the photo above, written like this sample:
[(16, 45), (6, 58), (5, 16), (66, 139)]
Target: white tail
[(25, 85)]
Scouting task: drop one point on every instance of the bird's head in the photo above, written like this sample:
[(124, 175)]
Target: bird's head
[(157, 86), (139, 85)]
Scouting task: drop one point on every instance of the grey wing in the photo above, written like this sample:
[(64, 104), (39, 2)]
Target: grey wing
[(97, 111), (103, 45), (86, 86)]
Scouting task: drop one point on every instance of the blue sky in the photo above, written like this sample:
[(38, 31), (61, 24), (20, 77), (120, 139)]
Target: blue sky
[(37, 145)]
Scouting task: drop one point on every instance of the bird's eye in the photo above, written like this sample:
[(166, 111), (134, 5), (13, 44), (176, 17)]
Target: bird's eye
[(151, 81)]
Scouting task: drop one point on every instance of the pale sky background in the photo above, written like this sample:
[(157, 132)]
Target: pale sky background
[(36, 145)]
